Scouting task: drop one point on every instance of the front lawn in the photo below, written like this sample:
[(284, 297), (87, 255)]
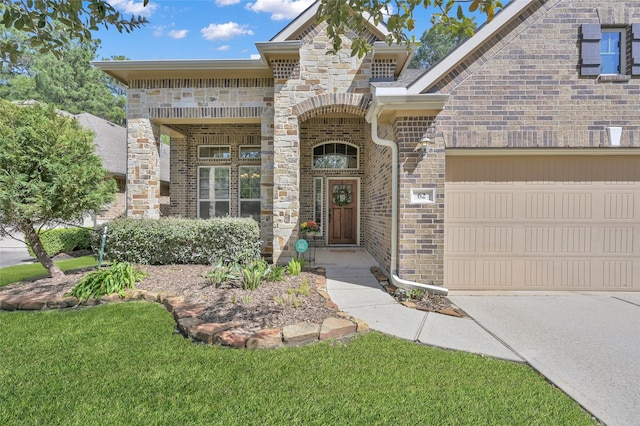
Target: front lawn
[(12, 274), (122, 364)]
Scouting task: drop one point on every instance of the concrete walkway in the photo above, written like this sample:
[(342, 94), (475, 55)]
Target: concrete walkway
[(356, 291)]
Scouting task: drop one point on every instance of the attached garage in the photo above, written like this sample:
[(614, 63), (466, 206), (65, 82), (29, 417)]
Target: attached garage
[(542, 222)]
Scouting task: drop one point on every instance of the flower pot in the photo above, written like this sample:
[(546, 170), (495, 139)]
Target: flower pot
[(311, 234)]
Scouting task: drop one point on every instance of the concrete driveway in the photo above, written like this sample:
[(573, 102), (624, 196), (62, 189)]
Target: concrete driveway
[(587, 344), (13, 252)]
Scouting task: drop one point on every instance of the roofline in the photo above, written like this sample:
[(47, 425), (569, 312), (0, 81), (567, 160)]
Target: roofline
[(393, 99), (458, 55), (180, 65), (309, 14)]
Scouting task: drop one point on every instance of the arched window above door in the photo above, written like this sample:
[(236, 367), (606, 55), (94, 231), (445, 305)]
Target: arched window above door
[(335, 156)]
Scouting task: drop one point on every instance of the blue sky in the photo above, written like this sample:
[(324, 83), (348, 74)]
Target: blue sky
[(205, 29)]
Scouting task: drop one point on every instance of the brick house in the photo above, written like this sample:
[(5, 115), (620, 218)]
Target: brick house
[(514, 163)]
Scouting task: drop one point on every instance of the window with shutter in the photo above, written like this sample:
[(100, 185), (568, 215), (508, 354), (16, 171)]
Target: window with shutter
[(590, 51), (635, 49)]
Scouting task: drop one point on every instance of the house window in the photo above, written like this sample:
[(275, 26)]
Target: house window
[(250, 191), (335, 155), (213, 192), (249, 152), (214, 152), (612, 51), (317, 200)]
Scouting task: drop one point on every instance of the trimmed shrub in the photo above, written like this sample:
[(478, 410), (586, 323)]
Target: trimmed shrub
[(64, 240), (180, 241)]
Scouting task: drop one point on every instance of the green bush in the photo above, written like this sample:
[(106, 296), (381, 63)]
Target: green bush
[(180, 241), (114, 279), (64, 240), (294, 267)]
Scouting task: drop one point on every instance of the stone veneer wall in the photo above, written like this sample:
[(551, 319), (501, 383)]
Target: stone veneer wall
[(328, 129), (524, 88), (421, 226), (315, 76), (199, 99), (376, 199)]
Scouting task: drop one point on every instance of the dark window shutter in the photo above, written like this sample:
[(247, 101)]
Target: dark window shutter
[(635, 49), (591, 60)]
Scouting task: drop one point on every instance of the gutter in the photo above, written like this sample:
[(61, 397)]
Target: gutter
[(395, 279)]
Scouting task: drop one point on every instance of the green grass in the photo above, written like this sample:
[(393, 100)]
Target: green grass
[(12, 274), (122, 364)]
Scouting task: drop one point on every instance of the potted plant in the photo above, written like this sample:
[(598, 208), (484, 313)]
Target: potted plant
[(310, 228)]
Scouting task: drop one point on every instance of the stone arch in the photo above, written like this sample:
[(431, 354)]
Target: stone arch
[(351, 103)]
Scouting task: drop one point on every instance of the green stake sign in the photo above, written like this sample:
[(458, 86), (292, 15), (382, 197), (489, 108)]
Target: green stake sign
[(301, 246)]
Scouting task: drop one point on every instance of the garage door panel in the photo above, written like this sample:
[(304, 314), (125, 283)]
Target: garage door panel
[(559, 223)]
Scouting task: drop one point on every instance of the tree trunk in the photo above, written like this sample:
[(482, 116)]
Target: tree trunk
[(32, 237)]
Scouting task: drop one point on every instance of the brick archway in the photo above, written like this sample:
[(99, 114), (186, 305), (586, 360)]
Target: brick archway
[(350, 103)]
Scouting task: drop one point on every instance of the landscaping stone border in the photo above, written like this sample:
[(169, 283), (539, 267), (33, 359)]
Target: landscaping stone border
[(186, 316)]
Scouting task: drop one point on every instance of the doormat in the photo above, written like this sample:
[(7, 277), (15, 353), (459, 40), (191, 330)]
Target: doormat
[(342, 250)]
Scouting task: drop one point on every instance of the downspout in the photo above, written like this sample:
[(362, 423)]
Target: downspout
[(395, 279)]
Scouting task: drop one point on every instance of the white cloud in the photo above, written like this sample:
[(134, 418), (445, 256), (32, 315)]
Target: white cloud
[(224, 31), (134, 8), (223, 48), (226, 2), (158, 30), (280, 9), (178, 34)]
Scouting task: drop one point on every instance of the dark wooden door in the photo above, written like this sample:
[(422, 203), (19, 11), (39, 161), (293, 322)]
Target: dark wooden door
[(343, 211)]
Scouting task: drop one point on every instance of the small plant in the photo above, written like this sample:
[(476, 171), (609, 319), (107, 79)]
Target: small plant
[(276, 273), (222, 273), (310, 226), (415, 294), (288, 299), (304, 288), (114, 279), (294, 267), (233, 299), (254, 273)]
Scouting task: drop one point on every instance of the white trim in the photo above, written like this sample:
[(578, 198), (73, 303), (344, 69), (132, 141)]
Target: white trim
[(212, 167), (328, 206), (335, 142), (323, 225), (215, 146), (511, 11)]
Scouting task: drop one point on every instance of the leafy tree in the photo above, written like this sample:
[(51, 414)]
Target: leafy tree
[(48, 173), (435, 44), (341, 15), (50, 24), (69, 81)]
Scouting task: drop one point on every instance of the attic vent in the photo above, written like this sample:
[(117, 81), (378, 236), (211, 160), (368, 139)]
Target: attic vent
[(310, 29), (383, 69), (284, 69)]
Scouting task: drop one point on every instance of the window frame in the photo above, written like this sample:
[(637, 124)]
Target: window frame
[(253, 148), (225, 157), (213, 200), (622, 50), (318, 208), (240, 198), (326, 143)]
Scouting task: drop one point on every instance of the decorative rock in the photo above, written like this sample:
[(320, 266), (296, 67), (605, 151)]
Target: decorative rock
[(331, 305), (361, 326), (321, 271), (265, 339), (392, 289), (185, 324), (206, 332), (110, 298), (133, 295), (149, 296), (10, 303), (90, 302), (232, 338), (301, 332), (408, 304), (344, 315), (324, 294), (188, 310), (33, 303), (169, 302), (63, 302), (450, 312), (336, 327)]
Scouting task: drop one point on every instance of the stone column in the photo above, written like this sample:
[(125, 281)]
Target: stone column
[(266, 180), (143, 169)]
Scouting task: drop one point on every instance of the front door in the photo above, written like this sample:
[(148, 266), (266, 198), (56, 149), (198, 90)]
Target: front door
[(343, 211)]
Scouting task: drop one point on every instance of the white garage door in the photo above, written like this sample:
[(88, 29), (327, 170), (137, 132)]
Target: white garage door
[(542, 223)]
